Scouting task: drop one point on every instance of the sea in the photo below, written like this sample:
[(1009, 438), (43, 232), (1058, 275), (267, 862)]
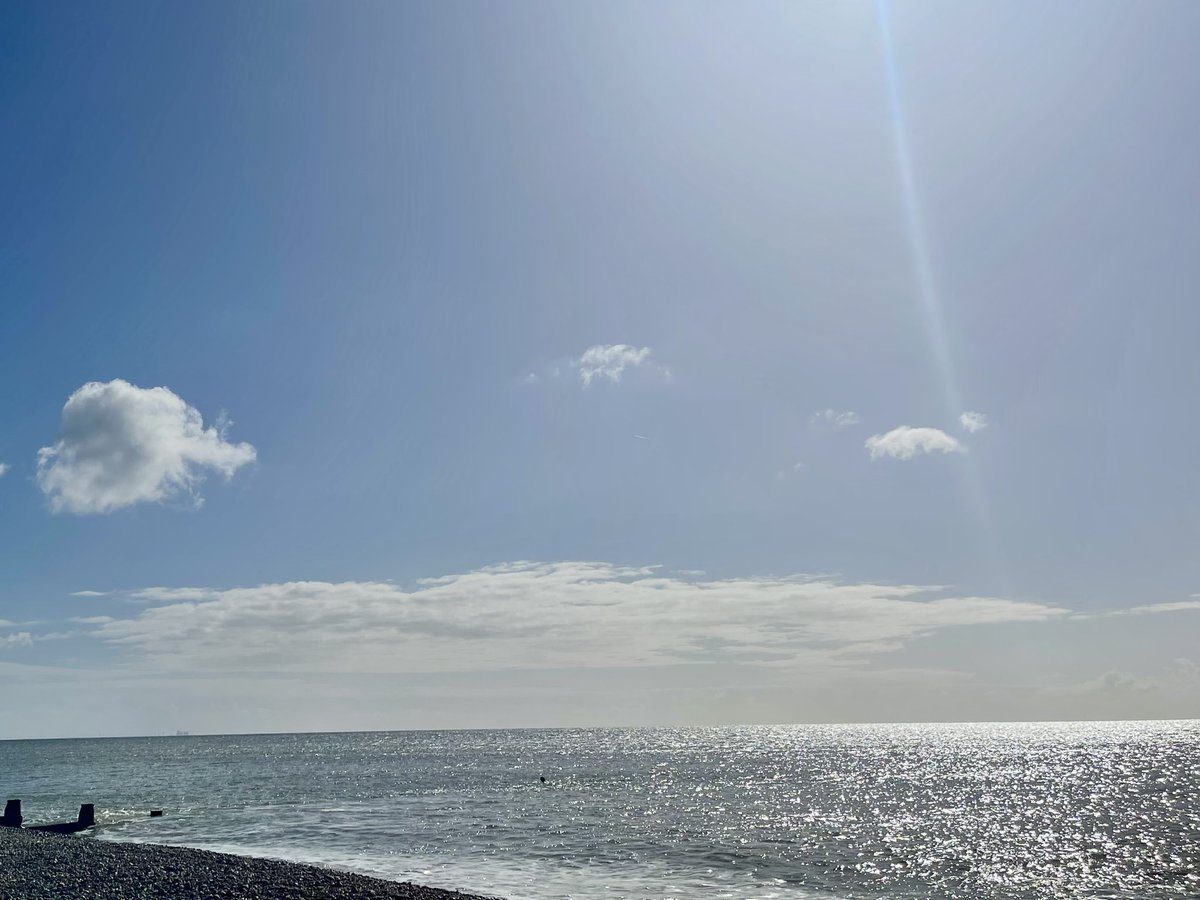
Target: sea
[(1096, 809)]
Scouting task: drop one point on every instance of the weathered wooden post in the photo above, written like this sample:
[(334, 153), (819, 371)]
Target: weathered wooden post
[(12, 815), (87, 819)]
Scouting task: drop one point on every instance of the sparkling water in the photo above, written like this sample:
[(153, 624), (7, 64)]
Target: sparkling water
[(889, 811)]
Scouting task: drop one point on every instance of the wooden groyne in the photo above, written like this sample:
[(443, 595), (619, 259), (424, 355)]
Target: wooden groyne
[(12, 818), (12, 815)]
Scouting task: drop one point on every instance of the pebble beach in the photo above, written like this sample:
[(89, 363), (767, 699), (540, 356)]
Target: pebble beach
[(35, 866)]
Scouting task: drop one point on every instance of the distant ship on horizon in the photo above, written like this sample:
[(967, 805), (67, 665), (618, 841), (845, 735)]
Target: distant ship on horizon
[(181, 733)]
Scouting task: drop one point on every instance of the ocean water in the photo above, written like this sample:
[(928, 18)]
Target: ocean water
[(884, 811)]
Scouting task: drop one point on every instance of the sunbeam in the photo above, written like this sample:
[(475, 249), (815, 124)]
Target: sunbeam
[(930, 306)]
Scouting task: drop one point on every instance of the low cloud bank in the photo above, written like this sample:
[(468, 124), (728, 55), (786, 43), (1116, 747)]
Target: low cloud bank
[(542, 616)]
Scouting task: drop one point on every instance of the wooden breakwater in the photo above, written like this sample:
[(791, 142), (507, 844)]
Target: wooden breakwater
[(12, 818)]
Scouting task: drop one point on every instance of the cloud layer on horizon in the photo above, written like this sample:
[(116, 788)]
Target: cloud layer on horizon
[(564, 643), (120, 444), (541, 616)]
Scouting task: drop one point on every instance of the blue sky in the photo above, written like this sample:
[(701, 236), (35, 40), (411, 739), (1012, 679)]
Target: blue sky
[(533, 298)]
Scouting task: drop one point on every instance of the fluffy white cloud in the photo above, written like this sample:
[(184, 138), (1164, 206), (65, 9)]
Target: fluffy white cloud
[(121, 444), (973, 421), (4, 467), (906, 442), (609, 361), (835, 418), (539, 616)]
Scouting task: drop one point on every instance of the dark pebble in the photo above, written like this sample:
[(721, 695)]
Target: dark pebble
[(35, 865)]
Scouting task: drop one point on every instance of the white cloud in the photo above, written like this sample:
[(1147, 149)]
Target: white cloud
[(4, 467), (1152, 608), (90, 593), (121, 444), (544, 615), (609, 361), (906, 442), (1181, 675), (835, 418), (973, 421), (782, 474), (19, 639)]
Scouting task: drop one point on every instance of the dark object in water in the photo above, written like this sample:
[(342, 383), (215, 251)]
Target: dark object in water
[(12, 815), (155, 813), (543, 779), (87, 819)]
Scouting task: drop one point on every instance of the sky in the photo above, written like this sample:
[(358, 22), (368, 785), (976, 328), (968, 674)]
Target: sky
[(441, 365)]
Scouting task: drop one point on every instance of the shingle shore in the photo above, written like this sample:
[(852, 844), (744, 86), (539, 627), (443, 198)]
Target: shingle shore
[(35, 866)]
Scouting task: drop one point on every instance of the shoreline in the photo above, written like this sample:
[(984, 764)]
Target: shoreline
[(39, 865)]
